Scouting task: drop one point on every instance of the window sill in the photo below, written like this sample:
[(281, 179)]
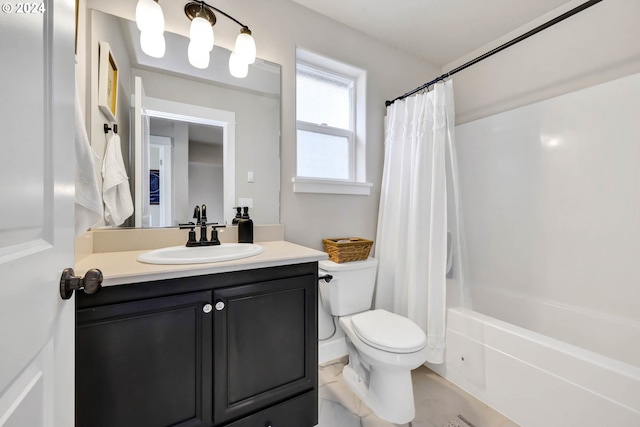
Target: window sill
[(328, 186)]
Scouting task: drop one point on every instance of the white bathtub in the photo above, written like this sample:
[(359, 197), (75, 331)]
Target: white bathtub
[(535, 380)]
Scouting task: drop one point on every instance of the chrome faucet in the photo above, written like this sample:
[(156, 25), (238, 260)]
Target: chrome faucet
[(200, 215)]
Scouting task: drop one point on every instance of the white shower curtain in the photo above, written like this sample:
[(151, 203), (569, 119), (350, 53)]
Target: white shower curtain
[(411, 242)]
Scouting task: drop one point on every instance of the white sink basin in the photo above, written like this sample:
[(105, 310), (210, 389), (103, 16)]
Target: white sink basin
[(200, 254)]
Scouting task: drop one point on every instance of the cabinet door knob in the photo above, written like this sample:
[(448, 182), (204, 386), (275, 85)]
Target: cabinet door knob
[(207, 308), (219, 306)]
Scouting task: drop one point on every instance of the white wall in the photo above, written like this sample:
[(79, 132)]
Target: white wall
[(93, 28), (596, 45), (201, 191), (100, 31), (206, 174), (279, 26), (182, 209)]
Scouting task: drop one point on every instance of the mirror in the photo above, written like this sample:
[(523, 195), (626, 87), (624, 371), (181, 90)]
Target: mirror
[(193, 156), (201, 173)]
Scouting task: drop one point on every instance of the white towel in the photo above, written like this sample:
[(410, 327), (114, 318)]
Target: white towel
[(88, 202), (116, 194)]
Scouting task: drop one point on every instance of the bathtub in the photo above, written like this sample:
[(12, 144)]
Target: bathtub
[(537, 380)]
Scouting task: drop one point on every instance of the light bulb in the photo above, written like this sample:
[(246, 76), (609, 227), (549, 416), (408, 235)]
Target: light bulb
[(201, 33), (149, 16), (237, 67), (246, 46), (142, 14), (152, 44), (198, 56)]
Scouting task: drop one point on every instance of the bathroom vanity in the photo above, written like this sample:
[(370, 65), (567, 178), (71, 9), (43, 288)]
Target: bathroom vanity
[(224, 344)]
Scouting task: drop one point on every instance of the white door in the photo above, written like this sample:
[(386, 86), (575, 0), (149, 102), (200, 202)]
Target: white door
[(36, 213)]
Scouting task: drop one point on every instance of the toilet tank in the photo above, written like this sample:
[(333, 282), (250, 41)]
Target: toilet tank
[(351, 289)]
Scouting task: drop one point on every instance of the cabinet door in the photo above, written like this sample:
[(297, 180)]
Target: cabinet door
[(265, 346), (145, 363)]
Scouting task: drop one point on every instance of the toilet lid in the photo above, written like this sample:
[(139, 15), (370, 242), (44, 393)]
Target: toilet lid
[(388, 331)]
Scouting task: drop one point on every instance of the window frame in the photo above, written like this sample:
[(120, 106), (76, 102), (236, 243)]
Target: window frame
[(328, 68), (325, 129), (332, 131)]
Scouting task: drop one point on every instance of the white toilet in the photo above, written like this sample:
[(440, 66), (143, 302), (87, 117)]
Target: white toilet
[(383, 347)]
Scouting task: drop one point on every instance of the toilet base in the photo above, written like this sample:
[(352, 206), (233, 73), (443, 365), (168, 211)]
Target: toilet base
[(389, 393)]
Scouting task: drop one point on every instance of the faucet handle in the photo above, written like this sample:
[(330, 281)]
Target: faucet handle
[(214, 236), (192, 234)]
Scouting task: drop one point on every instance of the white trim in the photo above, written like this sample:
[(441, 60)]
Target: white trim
[(332, 350), (330, 186), (357, 166), (324, 129), (321, 61)]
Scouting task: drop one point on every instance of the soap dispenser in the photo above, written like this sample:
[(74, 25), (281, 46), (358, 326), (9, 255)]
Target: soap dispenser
[(238, 215), (245, 227)]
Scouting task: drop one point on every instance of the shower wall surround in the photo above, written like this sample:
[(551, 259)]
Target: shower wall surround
[(556, 201), (550, 206)]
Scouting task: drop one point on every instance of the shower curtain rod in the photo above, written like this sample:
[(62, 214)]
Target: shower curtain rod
[(499, 49)]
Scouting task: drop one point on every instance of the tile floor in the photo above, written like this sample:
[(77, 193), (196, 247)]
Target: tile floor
[(438, 403)]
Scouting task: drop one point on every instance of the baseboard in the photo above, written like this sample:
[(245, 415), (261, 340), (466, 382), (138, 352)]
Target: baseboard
[(332, 349)]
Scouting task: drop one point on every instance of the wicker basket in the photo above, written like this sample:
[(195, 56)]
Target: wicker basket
[(346, 249)]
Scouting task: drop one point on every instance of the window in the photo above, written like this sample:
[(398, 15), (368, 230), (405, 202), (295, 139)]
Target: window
[(330, 150), (324, 111)]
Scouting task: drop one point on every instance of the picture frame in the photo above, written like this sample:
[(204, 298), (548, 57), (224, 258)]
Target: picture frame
[(154, 186), (107, 81)]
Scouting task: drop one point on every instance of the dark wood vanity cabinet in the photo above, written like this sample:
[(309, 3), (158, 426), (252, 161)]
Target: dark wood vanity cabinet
[(230, 349), (264, 350), (144, 363)]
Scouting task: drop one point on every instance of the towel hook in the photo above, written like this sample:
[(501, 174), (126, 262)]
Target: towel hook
[(107, 128)]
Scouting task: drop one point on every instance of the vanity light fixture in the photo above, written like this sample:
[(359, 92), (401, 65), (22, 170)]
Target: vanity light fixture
[(201, 37), (150, 21)]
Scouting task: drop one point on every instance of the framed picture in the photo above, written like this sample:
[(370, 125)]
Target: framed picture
[(154, 187), (107, 82)]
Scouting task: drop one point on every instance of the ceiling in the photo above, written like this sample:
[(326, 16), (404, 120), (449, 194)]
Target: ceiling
[(439, 31)]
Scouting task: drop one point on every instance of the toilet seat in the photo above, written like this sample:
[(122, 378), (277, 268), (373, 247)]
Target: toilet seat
[(388, 331)]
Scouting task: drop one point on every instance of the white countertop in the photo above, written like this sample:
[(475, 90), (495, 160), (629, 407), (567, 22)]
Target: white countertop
[(120, 268)]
